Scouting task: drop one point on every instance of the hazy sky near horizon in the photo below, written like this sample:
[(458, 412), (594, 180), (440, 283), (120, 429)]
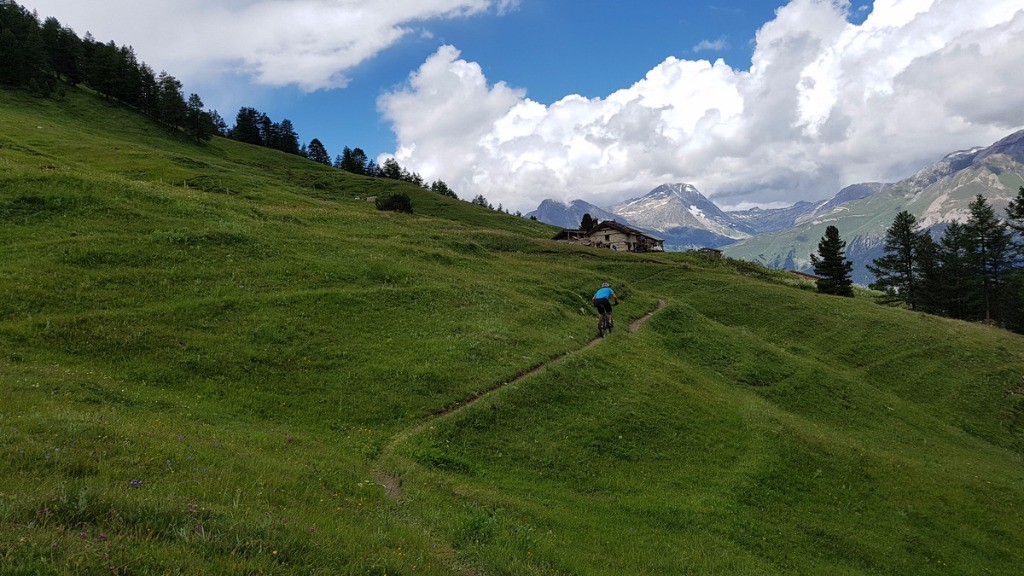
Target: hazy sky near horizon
[(755, 102)]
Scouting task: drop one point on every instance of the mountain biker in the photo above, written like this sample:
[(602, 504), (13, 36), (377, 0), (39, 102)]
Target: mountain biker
[(601, 297)]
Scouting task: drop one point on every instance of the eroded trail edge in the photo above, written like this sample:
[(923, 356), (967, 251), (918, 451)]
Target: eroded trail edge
[(392, 484)]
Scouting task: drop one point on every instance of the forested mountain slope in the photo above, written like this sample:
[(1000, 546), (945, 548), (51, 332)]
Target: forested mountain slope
[(215, 359)]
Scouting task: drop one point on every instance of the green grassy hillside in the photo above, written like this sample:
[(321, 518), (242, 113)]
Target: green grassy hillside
[(217, 360)]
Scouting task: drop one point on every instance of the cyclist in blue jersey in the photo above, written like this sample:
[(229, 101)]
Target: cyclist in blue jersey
[(601, 300)]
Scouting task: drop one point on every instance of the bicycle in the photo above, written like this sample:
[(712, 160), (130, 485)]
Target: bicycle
[(605, 325)]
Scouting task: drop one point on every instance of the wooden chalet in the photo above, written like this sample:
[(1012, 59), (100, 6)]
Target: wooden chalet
[(613, 236)]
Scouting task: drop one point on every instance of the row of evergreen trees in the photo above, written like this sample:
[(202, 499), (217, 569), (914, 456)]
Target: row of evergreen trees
[(974, 271), (41, 56)]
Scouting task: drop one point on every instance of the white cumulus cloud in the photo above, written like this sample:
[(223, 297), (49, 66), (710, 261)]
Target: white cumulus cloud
[(825, 103), (309, 43)]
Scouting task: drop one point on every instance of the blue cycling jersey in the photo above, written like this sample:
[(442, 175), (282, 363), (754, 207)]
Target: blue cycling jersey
[(604, 293)]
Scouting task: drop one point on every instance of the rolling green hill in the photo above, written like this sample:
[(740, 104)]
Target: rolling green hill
[(223, 360)]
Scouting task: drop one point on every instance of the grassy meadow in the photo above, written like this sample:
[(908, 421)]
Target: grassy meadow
[(222, 359)]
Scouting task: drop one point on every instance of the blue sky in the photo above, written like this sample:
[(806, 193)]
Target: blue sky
[(521, 100), (550, 49)]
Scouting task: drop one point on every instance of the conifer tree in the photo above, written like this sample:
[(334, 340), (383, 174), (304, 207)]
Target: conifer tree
[(831, 265), (285, 138), (954, 285), (897, 271), (1015, 217), (928, 292), (199, 122), (318, 153), (587, 223), (391, 169), (990, 245), (170, 102), (439, 187), (247, 126), (359, 161), (479, 200), (353, 161)]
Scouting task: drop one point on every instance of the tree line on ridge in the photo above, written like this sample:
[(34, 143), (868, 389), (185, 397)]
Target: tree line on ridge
[(973, 270), (43, 57)]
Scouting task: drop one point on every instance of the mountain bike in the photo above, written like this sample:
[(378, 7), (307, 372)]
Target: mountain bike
[(604, 324)]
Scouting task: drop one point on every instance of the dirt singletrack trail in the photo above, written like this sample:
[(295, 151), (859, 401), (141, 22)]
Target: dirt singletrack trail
[(392, 484), (530, 372)]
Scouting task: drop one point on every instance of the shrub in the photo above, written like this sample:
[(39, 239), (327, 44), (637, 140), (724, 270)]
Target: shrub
[(395, 203)]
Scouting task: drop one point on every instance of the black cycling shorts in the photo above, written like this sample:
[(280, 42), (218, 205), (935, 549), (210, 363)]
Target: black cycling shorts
[(603, 306)]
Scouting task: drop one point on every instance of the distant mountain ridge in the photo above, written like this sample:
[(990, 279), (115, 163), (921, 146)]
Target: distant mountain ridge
[(786, 237), (936, 195), (569, 215), (763, 220), (685, 218)]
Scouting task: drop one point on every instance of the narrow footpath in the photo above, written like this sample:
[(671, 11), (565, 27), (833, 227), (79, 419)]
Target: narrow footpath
[(392, 484)]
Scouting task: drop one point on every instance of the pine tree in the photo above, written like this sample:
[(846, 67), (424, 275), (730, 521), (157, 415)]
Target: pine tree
[(1015, 220), (955, 281), (171, 108), (897, 272), (199, 122), (285, 137), (990, 248), (359, 161), (928, 292), (1014, 310), (220, 128), (587, 223), (391, 169), (247, 126), (353, 161), (439, 187), (318, 153), (831, 265)]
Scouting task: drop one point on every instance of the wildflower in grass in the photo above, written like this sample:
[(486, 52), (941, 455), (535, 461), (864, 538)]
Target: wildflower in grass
[(312, 530), (102, 536), (135, 483), (22, 452), (53, 545), (83, 534)]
